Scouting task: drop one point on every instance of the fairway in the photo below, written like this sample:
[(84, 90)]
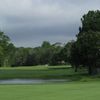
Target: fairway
[(40, 72), (64, 91)]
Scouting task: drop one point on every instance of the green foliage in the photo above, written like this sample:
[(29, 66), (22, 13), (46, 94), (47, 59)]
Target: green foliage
[(56, 58), (65, 53), (20, 56), (88, 43), (46, 44), (43, 55), (91, 21), (6, 49), (46, 54), (86, 50)]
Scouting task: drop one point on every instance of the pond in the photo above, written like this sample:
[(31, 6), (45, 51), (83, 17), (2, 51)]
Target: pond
[(32, 81)]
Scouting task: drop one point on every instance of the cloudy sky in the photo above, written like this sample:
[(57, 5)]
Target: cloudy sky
[(30, 22)]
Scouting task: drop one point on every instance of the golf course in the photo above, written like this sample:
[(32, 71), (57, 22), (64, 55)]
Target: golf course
[(80, 87), (49, 50), (66, 91), (40, 72)]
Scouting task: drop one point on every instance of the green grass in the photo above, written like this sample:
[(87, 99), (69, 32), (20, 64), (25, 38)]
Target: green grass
[(85, 88), (46, 72), (39, 67), (64, 91), (41, 72)]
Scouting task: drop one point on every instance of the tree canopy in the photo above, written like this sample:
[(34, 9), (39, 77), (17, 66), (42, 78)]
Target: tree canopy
[(6, 49), (86, 49)]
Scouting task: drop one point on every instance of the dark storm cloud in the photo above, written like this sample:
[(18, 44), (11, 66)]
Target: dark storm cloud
[(30, 22)]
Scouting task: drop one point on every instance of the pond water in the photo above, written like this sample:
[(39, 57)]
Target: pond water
[(32, 81)]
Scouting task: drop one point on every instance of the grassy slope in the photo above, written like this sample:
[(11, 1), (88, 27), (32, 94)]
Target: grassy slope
[(38, 72), (71, 91)]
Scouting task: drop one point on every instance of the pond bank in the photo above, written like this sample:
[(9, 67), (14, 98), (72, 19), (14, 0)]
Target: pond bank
[(32, 81)]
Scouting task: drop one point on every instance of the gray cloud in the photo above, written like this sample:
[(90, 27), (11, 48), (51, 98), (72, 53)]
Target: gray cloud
[(30, 22)]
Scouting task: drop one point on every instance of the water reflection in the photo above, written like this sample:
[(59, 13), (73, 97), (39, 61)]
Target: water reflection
[(31, 81)]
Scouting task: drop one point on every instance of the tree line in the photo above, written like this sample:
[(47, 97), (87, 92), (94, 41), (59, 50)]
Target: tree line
[(46, 54), (82, 52)]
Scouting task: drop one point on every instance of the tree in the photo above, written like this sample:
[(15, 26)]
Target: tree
[(31, 57), (88, 45), (56, 58), (4, 46), (46, 44), (75, 56), (20, 57), (1, 55), (86, 49), (91, 21), (10, 50), (65, 53)]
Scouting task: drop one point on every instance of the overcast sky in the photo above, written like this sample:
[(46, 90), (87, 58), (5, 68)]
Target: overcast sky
[(30, 22)]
